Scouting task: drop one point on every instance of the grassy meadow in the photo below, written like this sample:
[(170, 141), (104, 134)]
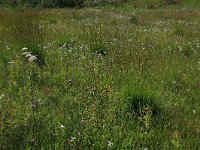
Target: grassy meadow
[(110, 77)]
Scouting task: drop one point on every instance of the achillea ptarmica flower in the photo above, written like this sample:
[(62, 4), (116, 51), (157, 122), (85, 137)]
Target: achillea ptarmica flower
[(25, 53), (29, 56), (24, 49), (11, 62), (32, 58), (72, 139), (110, 144)]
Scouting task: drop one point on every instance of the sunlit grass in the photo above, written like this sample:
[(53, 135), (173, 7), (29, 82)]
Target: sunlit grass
[(100, 80)]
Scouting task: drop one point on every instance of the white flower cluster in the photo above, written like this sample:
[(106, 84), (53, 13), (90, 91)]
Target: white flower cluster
[(110, 144), (28, 55)]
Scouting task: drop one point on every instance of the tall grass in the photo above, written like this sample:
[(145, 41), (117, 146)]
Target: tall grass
[(136, 87)]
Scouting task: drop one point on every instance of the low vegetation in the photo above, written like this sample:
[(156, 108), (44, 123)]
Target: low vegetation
[(108, 77)]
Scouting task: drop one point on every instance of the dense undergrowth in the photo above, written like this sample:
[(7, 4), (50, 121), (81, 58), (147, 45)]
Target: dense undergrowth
[(84, 3), (99, 79)]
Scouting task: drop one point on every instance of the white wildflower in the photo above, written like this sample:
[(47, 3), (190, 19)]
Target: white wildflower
[(25, 53), (114, 40), (70, 81), (194, 111), (174, 82), (33, 105), (32, 58), (24, 49), (33, 140), (99, 54), (79, 133), (62, 126), (65, 44), (72, 139), (28, 55), (110, 144), (2, 96), (11, 62)]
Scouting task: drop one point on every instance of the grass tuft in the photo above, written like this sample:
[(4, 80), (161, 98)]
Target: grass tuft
[(136, 101)]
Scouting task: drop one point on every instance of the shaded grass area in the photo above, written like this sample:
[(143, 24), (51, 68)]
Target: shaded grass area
[(109, 80), (148, 4)]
